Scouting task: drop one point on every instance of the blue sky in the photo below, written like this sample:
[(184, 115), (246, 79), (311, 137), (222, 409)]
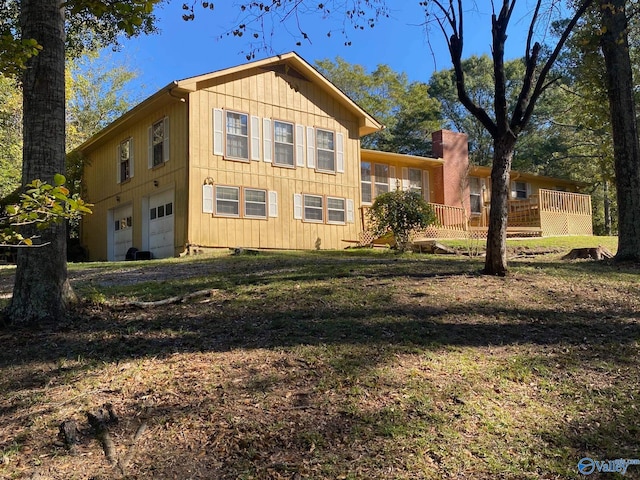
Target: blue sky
[(183, 49)]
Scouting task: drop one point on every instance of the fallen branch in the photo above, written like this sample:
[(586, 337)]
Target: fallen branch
[(171, 300), (123, 462)]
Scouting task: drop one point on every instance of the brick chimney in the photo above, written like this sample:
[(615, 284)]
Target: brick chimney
[(450, 180)]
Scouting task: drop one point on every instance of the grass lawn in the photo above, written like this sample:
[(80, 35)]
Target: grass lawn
[(332, 365)]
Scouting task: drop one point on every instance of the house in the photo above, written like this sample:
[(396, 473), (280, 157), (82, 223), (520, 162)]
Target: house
[(262, 155)]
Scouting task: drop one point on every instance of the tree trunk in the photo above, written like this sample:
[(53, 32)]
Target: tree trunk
[(42, 290), (615, 47), (607, 208), (496, 259)]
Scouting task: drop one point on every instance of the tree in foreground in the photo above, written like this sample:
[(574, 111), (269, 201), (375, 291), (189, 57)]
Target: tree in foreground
[(626, 147), (400, 213), (36, 28), (508, 121)]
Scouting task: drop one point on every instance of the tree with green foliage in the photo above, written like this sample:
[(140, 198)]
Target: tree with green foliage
[(10, 135), (40, 205), (42, 290), (400, 212), (406, 109)]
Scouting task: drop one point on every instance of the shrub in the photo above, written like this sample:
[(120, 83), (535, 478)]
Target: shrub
[(400, 212)]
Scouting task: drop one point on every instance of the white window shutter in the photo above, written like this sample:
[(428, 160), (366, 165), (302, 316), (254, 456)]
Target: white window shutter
[(405, 178), (392, 179), (165, 142), (528, 189), (426, 190), (150, 147), (299, 145), (267, 136), (255, 138), (339, 152), (273, 203), (311, 148), (131, 158), (118, 153), (218, 132), (514, 194), (297, 206), (350, 212), (207, 198)]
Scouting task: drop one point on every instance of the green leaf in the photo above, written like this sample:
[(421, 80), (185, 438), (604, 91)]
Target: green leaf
[(59, 179)]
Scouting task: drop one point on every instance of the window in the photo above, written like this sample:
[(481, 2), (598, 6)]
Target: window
[(283, 143), (159, 143), (365, 185), (228, 201), (381, 173), (125, 164), (335, 210), (255, 203), (415, 180), (521, 190), (313, 208), (123, 223), (326, 151), (161, 211), (237, 135), (475, 194)]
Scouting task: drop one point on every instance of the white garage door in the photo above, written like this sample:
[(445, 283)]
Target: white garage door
[(161, 239), (122, 231)]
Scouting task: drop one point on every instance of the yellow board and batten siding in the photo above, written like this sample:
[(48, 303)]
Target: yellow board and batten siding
[(101, 172), (277, 97)]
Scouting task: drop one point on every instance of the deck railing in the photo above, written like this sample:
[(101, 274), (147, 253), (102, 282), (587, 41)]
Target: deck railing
[(548, 213)]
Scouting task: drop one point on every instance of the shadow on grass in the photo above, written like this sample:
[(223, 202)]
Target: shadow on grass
[(347, 304)]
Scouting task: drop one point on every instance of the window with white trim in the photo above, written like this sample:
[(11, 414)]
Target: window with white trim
[(237, 135), (227, 201), (415, 180), (125, 160), (475, 194), (365, 182), (283, 143), (521, 190), (313, 208), (381, 178), (255, 203), (325, 144), (123, 223), (335, 210), (161, 211)]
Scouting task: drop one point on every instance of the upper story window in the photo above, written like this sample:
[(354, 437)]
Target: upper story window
[(325, 142), (125, 160), (159, 142), (475, 194), (237, 135), (283, 143)]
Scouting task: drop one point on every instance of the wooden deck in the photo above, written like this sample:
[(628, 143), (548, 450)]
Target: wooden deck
[(550, 213)]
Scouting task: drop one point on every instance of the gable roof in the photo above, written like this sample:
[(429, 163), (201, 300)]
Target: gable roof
[(289, 63)]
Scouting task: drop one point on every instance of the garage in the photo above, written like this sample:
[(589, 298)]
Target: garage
[(160, 218), (122, 225)]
